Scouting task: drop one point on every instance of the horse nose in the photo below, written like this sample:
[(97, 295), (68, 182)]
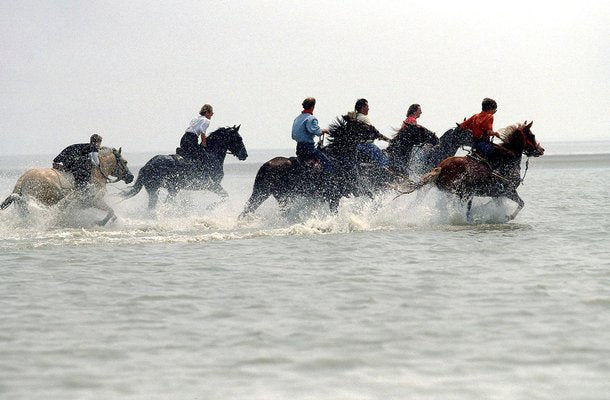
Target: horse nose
[(128, 178)]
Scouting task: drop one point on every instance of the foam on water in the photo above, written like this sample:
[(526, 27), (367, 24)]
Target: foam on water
[(187, 219)]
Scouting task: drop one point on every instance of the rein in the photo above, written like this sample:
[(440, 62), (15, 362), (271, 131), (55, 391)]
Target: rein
[(527, 164), (118, 162)]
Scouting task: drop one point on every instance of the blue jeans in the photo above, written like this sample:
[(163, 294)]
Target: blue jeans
[(306, 150), (374, 153), (483, 147)]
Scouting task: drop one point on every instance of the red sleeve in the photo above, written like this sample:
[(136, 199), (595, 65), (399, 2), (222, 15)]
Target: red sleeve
[(468, 123), (487, 124)]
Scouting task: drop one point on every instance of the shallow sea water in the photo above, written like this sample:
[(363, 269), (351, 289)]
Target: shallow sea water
[(390, 299)]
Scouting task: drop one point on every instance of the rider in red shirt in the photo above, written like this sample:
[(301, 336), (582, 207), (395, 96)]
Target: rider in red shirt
[(481, 126)]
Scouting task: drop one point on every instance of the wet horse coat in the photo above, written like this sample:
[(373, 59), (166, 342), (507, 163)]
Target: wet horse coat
[(467, 177), (50, 187)]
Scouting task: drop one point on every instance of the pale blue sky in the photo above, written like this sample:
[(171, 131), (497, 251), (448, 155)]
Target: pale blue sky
[(137, 72)]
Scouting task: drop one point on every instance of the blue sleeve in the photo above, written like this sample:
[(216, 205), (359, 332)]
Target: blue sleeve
[(311, 124)]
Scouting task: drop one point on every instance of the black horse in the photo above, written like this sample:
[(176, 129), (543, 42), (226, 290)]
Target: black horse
[(288, 178), (429, 149), (414, 149), (174, 173)]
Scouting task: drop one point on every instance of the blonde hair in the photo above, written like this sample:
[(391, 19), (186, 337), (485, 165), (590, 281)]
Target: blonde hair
[(205, 109)]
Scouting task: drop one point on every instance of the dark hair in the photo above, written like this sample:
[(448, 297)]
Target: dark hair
[(413, 109), (95, 138), (489, 104), (308, 103), (360, 103)]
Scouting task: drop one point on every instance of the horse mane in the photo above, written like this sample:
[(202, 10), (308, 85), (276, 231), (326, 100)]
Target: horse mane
[(346, 131), (511, 135), (219, 131), (105, 150)]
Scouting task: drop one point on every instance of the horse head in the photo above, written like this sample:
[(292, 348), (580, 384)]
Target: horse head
[(519, 139), (531, 146), (228, 139), (121, 170), (118, 167)]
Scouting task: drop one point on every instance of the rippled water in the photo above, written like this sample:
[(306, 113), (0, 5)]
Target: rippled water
[(390, 299)]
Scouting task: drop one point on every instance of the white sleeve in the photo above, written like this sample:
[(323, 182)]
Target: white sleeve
[(204, 126), (95, 159)]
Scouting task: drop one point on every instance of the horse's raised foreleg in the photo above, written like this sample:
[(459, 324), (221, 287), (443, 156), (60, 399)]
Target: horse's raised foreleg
[(514, 196), (110, 216)]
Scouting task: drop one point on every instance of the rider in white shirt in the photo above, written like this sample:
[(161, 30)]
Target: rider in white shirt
[(192, 144)]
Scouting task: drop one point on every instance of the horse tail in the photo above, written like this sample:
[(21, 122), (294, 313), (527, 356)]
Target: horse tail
[(9, 200), (135, 189), (410, 186)]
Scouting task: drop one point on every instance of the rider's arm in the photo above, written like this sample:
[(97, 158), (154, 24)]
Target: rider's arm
[(95, 159)]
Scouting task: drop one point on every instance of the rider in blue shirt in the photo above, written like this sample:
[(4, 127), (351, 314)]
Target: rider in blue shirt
[(304, 128)]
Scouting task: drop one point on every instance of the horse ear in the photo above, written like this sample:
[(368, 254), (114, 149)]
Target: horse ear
[(120, 149), (237, 127), (529, 125)]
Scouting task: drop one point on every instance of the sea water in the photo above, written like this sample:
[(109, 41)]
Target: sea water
[(392, 298)]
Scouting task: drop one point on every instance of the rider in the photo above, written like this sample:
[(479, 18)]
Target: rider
[(79, 159), (193, 142), (361, 113), (304, 128), (413, 113), (481, 126)]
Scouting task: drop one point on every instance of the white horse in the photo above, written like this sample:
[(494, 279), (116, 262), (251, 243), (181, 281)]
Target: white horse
[(50, 187)]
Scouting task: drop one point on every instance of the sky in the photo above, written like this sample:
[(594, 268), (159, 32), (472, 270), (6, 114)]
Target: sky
[(137, 72)]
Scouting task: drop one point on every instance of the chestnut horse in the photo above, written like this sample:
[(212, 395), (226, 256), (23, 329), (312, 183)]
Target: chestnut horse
[(470, 176), (49, 186)]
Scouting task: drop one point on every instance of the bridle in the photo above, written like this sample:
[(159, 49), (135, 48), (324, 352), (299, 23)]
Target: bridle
[(120, 169)]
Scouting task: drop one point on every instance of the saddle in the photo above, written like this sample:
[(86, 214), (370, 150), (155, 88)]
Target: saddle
[(312, 164)]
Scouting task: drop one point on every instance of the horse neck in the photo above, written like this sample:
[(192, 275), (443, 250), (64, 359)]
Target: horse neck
[(107, 166), (217, 150), (448, 144)]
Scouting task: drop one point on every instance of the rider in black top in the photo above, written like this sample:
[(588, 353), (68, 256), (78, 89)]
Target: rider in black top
[(79, 159)]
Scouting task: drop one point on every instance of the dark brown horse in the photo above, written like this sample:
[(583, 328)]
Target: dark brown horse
[(468, 176), (288, 178)]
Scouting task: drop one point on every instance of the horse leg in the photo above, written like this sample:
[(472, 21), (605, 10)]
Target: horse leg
[(111, 216), (172, 192), (153, 197), (514, 196), (256, 199), (220, 191), (469, 211), (333, 204)]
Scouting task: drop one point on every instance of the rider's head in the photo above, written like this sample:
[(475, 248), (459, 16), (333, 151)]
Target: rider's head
[(413, 109), (489, 104), (309, 103), (206, 111), (362, 106), (96, 140)]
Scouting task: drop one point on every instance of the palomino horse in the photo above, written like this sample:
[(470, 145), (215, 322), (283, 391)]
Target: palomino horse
[(49, 186), (288, 178), (468, 177), (175, 173)]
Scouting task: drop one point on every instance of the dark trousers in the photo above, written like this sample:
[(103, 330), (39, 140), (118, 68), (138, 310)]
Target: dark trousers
[(190, 148), (483, 147), (306, 151)]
